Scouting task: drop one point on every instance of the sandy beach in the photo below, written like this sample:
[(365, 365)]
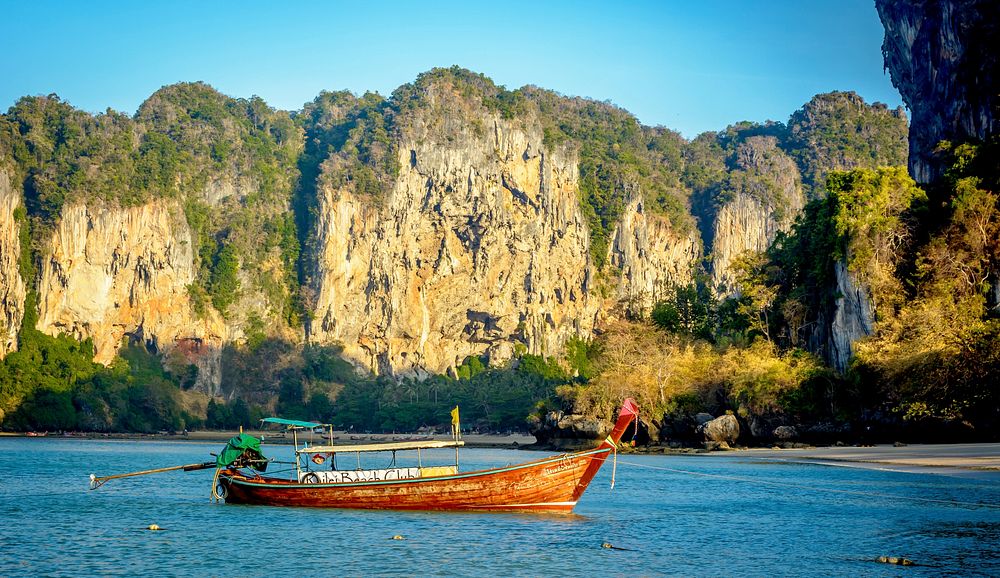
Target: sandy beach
[(940, 458)]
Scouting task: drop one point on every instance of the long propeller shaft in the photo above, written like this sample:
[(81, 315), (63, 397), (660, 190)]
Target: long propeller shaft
[(98, 481)]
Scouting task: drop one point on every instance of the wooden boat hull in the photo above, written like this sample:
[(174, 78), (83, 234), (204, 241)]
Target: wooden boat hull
[(552, 484), (549, 485)]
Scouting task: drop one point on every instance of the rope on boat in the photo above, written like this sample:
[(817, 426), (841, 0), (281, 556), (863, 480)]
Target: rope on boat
[(814, 488), (614, 467), (614, 463), (215, 485)]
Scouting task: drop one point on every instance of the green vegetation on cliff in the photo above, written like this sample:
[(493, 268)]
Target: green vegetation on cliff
[(63, 155), (620, 159), (350, 142), (230, 162), (865, 223), (934, 353), (348, 146), (766, 162), (233, 162), (839, 131), (929, 278)]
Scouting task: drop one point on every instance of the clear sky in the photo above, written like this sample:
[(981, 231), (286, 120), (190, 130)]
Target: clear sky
[(689, 65)]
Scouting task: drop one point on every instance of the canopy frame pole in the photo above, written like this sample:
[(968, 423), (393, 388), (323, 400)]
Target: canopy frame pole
[(298, 466), (333, 456)]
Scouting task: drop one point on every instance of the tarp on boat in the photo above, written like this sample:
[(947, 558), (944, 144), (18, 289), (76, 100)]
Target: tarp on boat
[(292, 422), (237, 447)]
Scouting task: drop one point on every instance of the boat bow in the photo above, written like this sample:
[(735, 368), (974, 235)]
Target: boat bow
[(628, 414)]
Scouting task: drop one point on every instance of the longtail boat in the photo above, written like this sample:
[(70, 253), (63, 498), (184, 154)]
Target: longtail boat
[(552, 484)]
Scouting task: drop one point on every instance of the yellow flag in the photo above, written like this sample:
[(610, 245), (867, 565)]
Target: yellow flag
[(454, 416)]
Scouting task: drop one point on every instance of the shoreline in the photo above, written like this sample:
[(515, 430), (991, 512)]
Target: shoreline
[(512, 441), (923, 458), (983, 457), (956, 459)]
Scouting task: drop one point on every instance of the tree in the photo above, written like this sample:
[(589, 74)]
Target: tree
[(224, 283), (688, 312), (756, 293)]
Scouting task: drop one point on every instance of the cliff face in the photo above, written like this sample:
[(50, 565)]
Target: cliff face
[(479, 246), (943, 62), (452, 219), (763, 197), (852, 318), (650, 258), (112, 272), (12, 291)]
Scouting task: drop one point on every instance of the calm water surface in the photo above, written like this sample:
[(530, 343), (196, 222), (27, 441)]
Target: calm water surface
[(671, 521)]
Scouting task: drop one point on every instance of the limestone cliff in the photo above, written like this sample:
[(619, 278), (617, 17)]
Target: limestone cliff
[(454, 218), (852, 318), (112, 272), (649, 257), (478, 246), (12, 290), (446, 225), (942, 59), (763, 196)]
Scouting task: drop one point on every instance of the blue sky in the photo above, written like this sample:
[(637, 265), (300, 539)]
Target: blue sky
[(691, 66)]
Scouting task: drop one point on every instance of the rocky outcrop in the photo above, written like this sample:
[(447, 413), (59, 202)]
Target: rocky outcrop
[(12, 290), (651, 257), (942, 59), (785, 433), (113, 272), (725, 428), (764, 197), (479, 247), (558, 430), (852, 319)]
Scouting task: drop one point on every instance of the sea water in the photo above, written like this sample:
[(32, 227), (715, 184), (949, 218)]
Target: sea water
[(667, 515)]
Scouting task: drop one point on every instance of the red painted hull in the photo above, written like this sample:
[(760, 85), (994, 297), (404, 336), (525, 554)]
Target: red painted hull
[(553, 484)]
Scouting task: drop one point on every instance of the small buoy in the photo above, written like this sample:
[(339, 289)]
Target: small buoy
[(153, 527), (398, 537), (607, 545)]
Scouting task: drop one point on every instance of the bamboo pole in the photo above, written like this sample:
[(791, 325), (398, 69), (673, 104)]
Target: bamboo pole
[(98, 481)]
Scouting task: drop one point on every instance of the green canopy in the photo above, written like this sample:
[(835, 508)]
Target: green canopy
[(237, 447), (291, 422)]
